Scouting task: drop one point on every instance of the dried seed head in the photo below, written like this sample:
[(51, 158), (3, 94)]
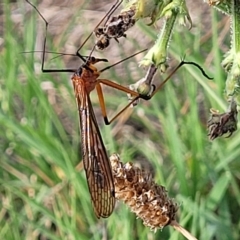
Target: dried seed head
[(221, 123), (148, 200), (145, 198)]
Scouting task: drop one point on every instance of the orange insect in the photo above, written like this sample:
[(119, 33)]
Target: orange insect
[(96, 162), (95, 159)]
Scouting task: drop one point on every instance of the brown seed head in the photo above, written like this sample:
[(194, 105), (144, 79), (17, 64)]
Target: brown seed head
[(146, 199), (221, 123)]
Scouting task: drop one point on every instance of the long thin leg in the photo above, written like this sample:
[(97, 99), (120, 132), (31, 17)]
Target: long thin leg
[(123, 60), (134, 93), (126, 90), (44, 45), (102, 102), (175, 70), (168, 77)]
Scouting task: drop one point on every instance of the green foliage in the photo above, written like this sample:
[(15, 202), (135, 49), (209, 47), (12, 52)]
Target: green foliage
[(42, 193)]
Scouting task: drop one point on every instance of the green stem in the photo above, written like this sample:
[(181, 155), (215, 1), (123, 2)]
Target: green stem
[(236, 25), (157, 55), (232, 61)]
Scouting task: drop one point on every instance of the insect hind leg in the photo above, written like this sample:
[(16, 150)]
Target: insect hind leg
[(44, 45)]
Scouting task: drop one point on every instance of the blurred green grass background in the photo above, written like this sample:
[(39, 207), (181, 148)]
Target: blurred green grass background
[(43, 196)]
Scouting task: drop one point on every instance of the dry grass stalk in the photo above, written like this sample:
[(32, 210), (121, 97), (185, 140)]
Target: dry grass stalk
[(145, 198)]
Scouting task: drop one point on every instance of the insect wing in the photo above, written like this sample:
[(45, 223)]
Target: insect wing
[(96, 163)]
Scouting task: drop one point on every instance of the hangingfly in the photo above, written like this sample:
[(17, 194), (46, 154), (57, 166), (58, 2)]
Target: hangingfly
[(95, 159), (96, 162)]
